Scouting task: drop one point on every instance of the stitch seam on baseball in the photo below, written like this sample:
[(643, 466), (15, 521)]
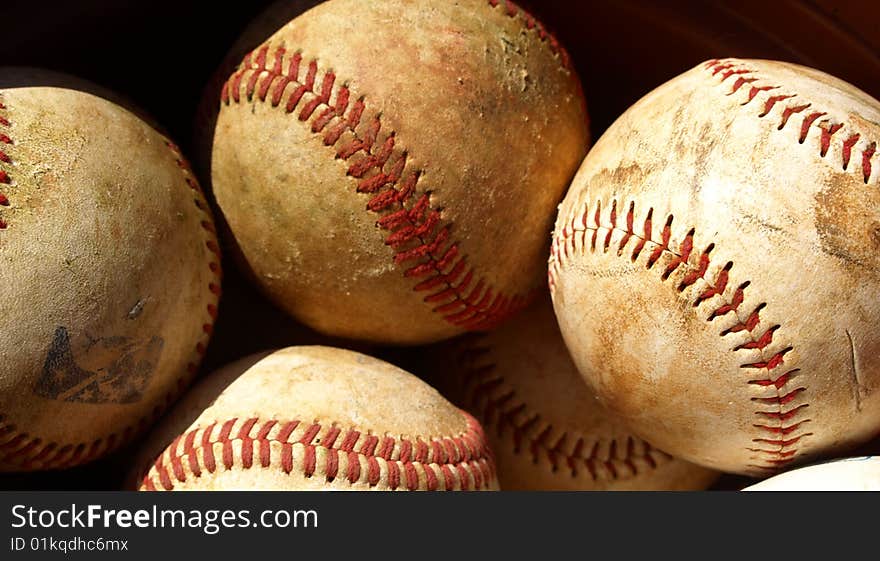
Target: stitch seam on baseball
[(5, 160), (20, 448), (531, 24), (850, 142), (780, 429), (326, 450), (499, 405), (417, 233)]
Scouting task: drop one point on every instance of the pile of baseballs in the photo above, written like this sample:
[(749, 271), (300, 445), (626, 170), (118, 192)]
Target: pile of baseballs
[(389, 173)]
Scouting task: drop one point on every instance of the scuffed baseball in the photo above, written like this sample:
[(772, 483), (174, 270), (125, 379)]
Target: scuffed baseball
[(715, 266), (546, 428), (315, 418), (848, 474), (389, 169), (109, 277)]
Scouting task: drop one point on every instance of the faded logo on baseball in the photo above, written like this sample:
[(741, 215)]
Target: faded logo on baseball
[(102, 370)]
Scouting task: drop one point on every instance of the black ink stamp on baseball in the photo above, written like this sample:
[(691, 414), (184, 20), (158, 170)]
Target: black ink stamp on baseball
[(105, 370)]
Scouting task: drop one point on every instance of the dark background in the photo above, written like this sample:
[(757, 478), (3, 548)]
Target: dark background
[(161, 54)]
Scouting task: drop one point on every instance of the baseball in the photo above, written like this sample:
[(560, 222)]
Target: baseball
[(109, 276), (848, 474), (714, 266), (547, 430), (389, 169), (316, 418)]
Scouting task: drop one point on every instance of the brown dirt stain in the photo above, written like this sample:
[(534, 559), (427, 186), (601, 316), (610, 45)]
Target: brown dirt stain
[(630, 175), (848, 222)]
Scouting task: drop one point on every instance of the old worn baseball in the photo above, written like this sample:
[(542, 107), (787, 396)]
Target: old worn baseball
[(715, 266), (546, 428), (848, 474), (108, 274), (389, 169), (267, 22), (316, 418)]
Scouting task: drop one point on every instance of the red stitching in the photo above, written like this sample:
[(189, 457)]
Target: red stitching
[(813, 119), (761, 338), (828, 129), (5, 158), (20, 448), (447, 462), (417, 234), (498, 404), (214, 266)]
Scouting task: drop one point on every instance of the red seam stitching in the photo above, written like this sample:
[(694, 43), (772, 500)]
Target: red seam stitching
[(761, 337), (417, 233), (467, 454), (485, 381), (26, 451), (5, 158), (814, 119)]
